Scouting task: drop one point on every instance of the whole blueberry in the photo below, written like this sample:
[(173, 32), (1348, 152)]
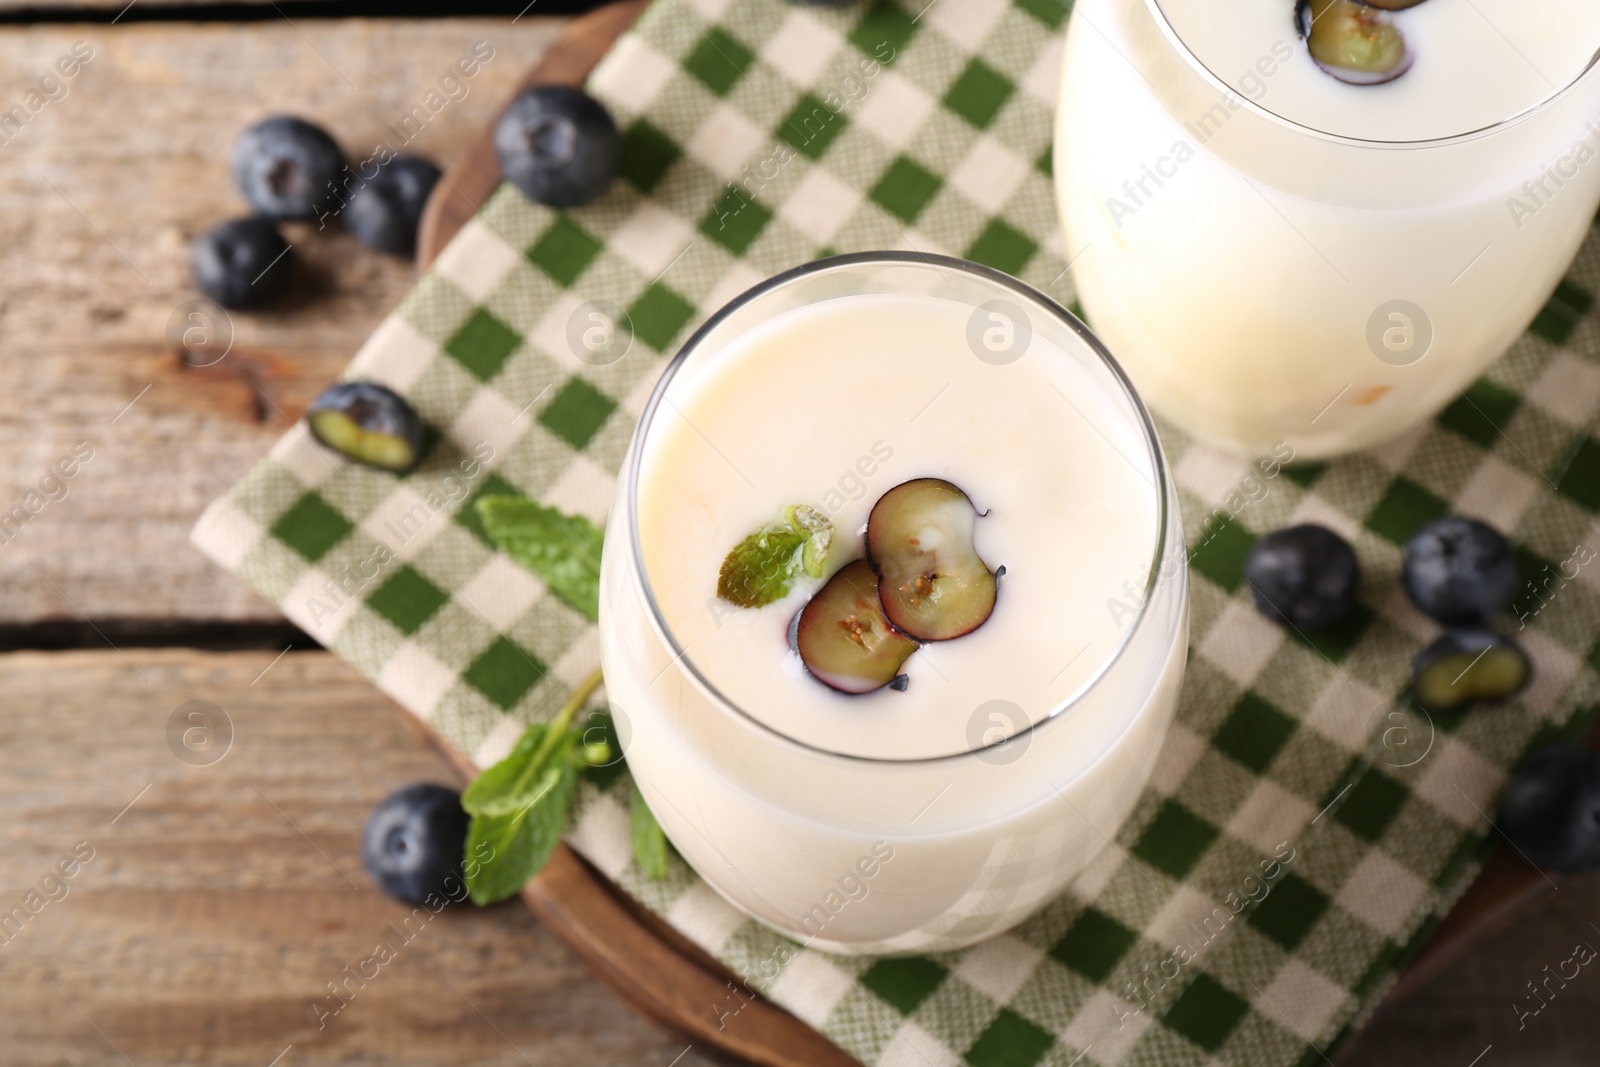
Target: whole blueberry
[(1551, 809), (1460, 570), (384, 212), (558, 145), (286, 168), (244, 263), (1305, 575), (414, 842)]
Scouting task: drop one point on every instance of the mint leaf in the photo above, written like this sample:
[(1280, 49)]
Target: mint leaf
[(763, 567), (503, 788), (519, 843), (649, 843), (562, 549), (519, 806)]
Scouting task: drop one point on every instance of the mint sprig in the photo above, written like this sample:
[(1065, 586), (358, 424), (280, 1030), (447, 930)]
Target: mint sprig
[(762, 568), (519, 806), (562, 549)]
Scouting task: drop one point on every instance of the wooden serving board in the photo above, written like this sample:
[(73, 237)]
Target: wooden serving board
[(632, 950)]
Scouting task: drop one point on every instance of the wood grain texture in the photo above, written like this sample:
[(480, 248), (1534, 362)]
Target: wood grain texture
[(216, 908), (100, 193)]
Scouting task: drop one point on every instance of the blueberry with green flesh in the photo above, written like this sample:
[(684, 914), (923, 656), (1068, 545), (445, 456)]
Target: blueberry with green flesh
[(385, 211), (1460, 570), (1306, 576), (369, 423), (1392, 5), (243, 264), (1466, 667), (558, 145), (1352, 41), (844, 639), (933, 584), (414, 843), (1551, 809), (286, 168)]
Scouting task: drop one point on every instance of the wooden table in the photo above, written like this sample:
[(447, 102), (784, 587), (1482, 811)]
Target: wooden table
[(221, 899)]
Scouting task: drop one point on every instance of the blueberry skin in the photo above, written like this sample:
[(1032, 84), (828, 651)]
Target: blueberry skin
[(558, 145), (1551, 809), (242, 264), (414, 842), (1460, 570), (1306, 576), (385, 211), (283, 167)]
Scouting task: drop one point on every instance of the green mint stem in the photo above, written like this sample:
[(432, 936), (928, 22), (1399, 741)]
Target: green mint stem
[(558, 728)]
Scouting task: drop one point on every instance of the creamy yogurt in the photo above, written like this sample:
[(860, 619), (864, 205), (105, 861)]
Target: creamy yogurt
[(1278, 256), (1014, 750)]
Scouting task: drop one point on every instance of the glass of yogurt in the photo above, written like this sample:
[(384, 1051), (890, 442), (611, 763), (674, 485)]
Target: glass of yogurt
[(847, 784), (1318, 222)]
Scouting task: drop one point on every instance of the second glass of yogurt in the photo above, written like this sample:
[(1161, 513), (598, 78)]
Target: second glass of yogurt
[(1317, 223), (975, 432)]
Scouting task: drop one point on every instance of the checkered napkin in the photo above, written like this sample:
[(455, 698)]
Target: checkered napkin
[(760, 134)]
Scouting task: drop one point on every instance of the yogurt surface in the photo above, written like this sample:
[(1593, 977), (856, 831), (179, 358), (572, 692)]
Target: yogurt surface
[(834, 404), (1477, 63)]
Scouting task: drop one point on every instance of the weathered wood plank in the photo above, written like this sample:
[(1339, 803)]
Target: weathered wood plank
[(214, 910), (206, 925), (100, 192)]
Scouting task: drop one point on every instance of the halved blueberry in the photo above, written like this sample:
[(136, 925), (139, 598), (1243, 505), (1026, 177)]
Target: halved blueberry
[(558, 145), (1353, 41), (1459, 570), (1304, 575), (843, 637), (414, 843), (933, 584), (1551, 809), (1466, 667), (368, 422)]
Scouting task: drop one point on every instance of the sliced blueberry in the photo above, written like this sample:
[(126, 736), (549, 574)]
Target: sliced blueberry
[(414, 843), (934, 585), (1466, 667), (368, 422), (1353, 41), (1306, 576), (1551, 809), (243, 264), (844, 639), (1460, 570), (286, 168), (385, 211), (558, 145)]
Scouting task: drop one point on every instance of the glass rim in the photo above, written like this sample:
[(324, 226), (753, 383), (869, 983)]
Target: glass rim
[(1217, 82), (635, 456)]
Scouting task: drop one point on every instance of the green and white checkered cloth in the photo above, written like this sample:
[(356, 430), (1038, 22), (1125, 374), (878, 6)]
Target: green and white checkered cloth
[(761, 134)]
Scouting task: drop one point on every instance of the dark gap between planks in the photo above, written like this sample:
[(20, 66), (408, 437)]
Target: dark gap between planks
[(150, 11), (60, 635)]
